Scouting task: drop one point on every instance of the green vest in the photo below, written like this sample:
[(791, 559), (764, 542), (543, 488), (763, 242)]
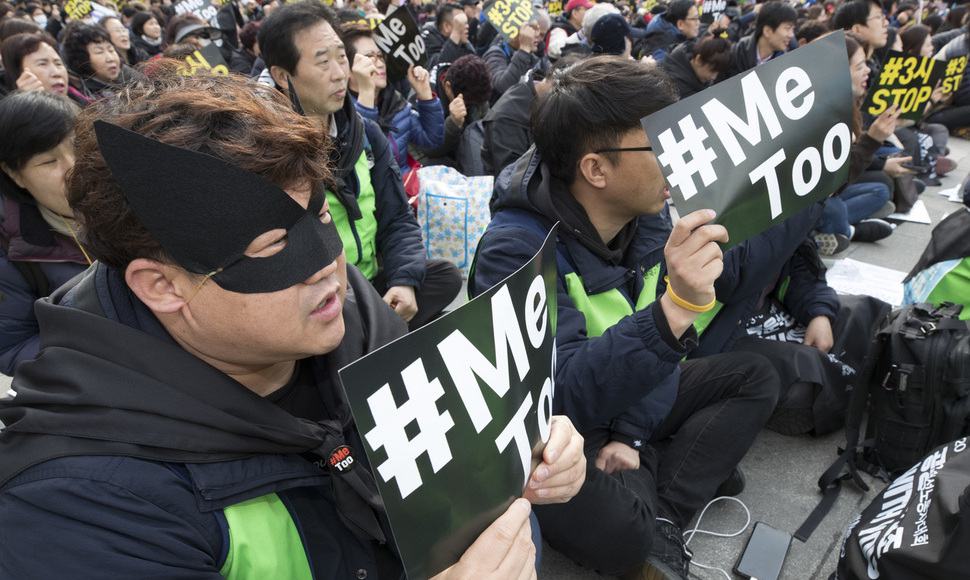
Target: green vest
[(359, 237), (264, 542), (604, 309)]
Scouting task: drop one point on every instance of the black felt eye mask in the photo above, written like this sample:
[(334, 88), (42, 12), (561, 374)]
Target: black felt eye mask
[(205, 213)]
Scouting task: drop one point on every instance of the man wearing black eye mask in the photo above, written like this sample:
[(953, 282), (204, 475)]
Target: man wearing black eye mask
[(304, 55), (181, 417)]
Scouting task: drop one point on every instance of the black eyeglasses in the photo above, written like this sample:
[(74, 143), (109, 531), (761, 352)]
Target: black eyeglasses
[(620, 149)]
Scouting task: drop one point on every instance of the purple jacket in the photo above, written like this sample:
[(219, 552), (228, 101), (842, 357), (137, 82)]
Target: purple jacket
[(28, 250)]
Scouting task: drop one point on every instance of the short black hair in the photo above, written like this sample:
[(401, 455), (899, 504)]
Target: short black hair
[(852, 13), (32, 122), (591, 105), (469, 77), (277, 34), (445, 14), (811, 30), (773, 15), (77, 37), (677, 10), (350, 34), (715, 52), (139, 20), (14, 49)]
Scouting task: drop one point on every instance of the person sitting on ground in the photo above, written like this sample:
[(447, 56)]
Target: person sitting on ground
[(612, 35), (577, 44), (94, 67), (565, 25), (694, 66), (32, 64), (117, 459), (436, 34), (244, 57), (121, 39), (457, 44), (774, 30), (866, 20), (464, 88), (421, 125), (956, 114), (303, 51), (811, 30), (942, 273), (190, 29), (507, 126), (856, 212), (38, 235), (508, 61), (679, 23), (661, 436), (148, 33)]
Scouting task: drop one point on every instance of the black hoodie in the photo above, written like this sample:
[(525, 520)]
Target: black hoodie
[(111, 381), (677, 65)]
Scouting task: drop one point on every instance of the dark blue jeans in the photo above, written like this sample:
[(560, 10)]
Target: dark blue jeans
[(853, 204)]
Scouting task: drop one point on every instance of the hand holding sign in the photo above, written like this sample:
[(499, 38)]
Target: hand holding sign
[(528, 38), (563, 468), (420, 81), (504, 550), (694, 262), (885, 124)]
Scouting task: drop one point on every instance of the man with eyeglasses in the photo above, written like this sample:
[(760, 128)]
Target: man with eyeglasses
[(307, 59), (663, 436), (866, 19), (679, 23)]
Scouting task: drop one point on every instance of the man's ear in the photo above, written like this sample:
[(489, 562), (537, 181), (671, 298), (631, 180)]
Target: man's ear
[(280, 76), (594, 168), (159, 286)]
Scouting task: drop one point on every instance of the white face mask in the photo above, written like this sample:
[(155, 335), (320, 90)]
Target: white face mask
[(41, 20)]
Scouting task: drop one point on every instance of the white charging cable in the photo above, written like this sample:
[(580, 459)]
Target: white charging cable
[(697, 530)]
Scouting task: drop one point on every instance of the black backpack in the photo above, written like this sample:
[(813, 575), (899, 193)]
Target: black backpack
[(918, 397), (920, 387)]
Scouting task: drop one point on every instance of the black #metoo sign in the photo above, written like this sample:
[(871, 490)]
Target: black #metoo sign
[(761, 146)]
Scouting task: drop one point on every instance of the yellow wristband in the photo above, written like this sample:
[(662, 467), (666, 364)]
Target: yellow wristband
[(685, 304)]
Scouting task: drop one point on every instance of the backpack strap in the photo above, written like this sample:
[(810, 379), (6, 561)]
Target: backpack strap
[(846, 467)]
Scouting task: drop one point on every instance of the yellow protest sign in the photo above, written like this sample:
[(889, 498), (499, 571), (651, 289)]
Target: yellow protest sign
[(507, 16), (906, 82), (554, 7), (953, 74), (207, 60), (77, 9)]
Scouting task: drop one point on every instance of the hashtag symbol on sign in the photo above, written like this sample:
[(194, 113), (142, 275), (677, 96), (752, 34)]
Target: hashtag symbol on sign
[(390, 423), (890, 71), (675, 154), (953, 67)]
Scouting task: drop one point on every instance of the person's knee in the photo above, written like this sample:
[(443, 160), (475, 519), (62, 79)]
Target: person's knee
[(444, 276), (607, 528), (761, 378)]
